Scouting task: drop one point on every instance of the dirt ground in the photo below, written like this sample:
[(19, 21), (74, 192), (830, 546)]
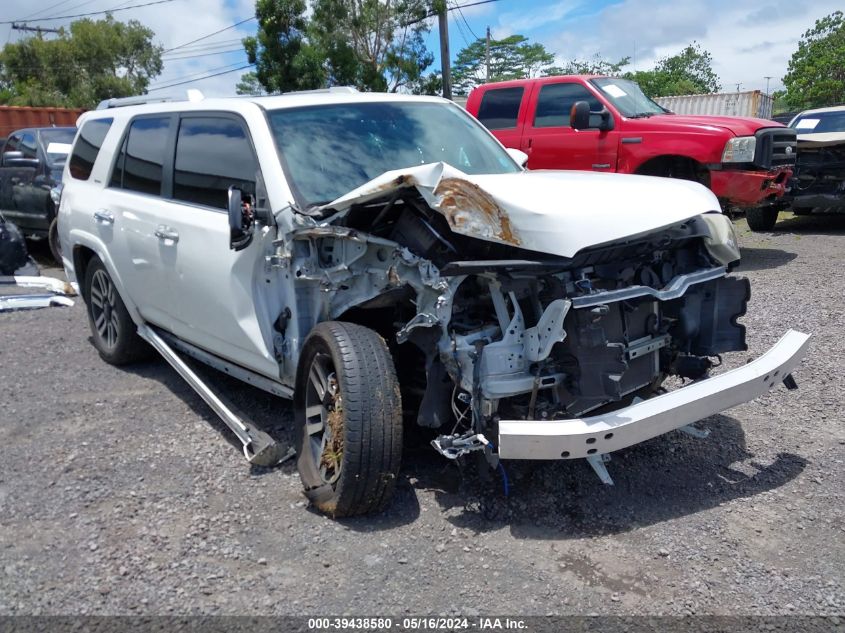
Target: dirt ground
[(121, 493)]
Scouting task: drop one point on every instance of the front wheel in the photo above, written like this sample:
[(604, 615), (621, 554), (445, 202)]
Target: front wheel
[(53, 241), (761, 218), (348, 413)]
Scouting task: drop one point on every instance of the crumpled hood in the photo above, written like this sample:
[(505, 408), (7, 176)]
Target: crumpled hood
[(554, 212)]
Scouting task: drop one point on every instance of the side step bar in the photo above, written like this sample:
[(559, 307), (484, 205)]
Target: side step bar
[(259, 448)]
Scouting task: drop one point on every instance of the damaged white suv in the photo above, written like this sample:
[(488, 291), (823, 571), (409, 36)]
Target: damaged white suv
[(381, 258)]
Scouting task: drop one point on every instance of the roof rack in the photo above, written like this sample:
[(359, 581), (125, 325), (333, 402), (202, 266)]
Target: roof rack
[(192, 94), (341, 89)]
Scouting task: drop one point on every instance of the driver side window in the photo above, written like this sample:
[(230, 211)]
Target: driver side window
[(555, 103)]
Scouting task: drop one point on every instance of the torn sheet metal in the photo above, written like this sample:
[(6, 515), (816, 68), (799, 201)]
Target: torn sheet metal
[(50, 284), (30, 302), (527, 209)]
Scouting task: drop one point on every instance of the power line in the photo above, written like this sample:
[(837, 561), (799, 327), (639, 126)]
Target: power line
[(189, 81), (204, 37), (193, 75), (83, 15), (50, 8), (463, 17), (225, 52)]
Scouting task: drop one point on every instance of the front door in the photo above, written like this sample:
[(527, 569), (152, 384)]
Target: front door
[(551, 143), (218, 289)]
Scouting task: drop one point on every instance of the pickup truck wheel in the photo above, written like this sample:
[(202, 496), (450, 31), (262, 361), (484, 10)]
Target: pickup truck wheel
[(761, 218), (348, 416), (53, 240), (112, 329)]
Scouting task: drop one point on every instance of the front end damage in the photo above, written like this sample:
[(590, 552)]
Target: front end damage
[(525, 330)]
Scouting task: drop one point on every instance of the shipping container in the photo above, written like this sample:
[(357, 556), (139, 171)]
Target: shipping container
[(750, 103), (16, 117)]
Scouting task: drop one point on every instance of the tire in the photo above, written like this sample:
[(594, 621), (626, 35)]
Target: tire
[(115, 336), (353, 470), (53, 240), (761, 218)]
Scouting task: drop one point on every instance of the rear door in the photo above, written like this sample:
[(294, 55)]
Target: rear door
[(19, 199), (216, 287), (551, 143), (136, 213), (500, 110)]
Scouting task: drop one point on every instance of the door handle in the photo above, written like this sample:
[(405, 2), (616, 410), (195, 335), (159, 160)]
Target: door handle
[(104, 217), (166, 233)]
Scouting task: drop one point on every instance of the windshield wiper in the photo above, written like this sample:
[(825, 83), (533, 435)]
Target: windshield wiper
[(642, 115)]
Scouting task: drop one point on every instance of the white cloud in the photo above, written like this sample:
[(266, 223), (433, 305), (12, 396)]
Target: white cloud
[(747, 39), (174, 24)]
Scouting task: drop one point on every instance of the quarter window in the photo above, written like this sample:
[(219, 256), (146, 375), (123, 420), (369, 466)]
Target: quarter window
[(212, 154), (499, 108), (87, 147), (140, 163), (555, 103)]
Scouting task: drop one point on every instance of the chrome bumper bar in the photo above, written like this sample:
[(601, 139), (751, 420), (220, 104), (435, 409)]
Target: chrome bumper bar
[(584, 437)]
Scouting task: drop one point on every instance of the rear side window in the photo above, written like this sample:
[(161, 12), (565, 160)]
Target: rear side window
[(87, 147), (555, 103), (499, 108), (212, 154), (140, 163)]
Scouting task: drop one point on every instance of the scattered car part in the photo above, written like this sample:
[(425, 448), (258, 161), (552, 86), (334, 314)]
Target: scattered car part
[(30, 302)]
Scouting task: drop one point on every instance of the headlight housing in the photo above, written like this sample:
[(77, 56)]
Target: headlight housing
[(740, 150), (721, 239)]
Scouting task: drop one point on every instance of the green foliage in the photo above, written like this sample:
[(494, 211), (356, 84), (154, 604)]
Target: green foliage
[(249, 85), (370, 44), (688, 72), (510, 58), (92, 61), (816, 73), (596, 65)]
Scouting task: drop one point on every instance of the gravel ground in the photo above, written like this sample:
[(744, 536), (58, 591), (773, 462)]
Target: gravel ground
[(120, 492)]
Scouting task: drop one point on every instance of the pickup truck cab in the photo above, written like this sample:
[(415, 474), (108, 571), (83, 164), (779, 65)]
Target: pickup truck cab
[(607, 124), (31, 165)]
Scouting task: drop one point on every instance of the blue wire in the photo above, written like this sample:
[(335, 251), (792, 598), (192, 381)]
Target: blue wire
[(505, 484)]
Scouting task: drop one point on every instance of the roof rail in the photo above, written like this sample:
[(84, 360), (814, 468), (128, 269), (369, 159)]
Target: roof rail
[(341, 89), (191, 94)]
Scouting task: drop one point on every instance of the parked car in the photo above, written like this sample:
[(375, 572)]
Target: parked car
[(607, 124), (818, 184), (31, 165), (374, 255)]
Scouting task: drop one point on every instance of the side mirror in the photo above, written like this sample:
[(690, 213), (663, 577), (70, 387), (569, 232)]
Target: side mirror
[(16, 159), (241, 219), (518, 155), (579, 117)]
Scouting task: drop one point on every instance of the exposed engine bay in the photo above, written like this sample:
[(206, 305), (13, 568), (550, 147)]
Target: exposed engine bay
[(488, 329)]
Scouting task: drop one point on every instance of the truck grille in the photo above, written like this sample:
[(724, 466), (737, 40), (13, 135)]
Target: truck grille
[(776, 147)]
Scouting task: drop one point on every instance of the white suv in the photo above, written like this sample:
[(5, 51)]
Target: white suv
[(383, 259)]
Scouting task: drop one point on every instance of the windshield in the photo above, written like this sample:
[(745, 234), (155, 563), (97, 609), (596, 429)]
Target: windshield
[(57, 144), (628, 97), (331, 149), (820, 122)]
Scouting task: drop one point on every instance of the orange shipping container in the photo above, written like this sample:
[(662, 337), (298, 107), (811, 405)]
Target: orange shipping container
[(16, 117)]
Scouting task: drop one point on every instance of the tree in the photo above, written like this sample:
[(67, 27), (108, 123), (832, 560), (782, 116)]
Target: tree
[(91, 61), (815, 76), (687, 72), (249, 85), (371, 44), (510, 58), (596, 65)]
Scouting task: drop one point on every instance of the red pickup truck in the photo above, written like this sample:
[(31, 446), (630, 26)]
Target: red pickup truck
[(598, 123)]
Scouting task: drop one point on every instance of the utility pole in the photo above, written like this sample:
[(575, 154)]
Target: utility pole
[(36, 29), (767, 77), (487, 57), (444, 50)]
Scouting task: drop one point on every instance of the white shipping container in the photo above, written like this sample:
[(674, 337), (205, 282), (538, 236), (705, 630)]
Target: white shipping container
[(750, 103)]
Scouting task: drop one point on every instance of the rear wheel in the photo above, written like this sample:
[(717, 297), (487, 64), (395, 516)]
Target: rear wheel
[(53, 240), (114, 333), (348, 420), (761, 218)]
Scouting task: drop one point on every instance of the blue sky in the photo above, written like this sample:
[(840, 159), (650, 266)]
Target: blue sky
[(748, 39)]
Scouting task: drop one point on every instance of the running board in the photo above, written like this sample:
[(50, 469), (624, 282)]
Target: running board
[(259, 448)]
